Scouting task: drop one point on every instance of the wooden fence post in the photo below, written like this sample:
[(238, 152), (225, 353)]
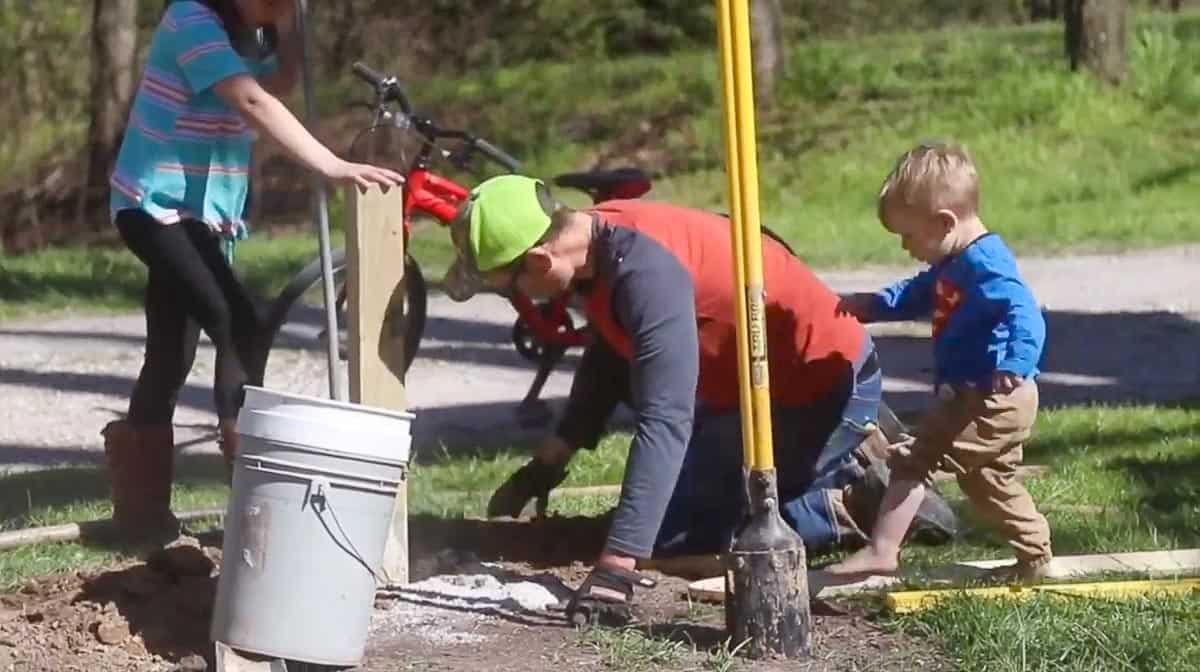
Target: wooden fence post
[(375, 278)]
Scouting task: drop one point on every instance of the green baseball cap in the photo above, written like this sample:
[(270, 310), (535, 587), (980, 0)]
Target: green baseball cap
[(503, 218)]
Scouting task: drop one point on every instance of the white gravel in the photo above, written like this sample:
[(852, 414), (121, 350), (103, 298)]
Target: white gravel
[(1122, 328), (453, 609)]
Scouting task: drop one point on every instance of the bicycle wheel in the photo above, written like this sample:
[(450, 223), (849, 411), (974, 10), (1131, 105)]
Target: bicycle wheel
[(297, 316)]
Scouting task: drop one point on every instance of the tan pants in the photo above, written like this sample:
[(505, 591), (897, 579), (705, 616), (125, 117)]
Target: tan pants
[(978, 436)]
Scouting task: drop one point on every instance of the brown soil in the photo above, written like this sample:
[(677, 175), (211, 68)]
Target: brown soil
[(154, 614)]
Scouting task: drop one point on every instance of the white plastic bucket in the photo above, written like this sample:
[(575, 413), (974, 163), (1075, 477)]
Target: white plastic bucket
[(314, 485)]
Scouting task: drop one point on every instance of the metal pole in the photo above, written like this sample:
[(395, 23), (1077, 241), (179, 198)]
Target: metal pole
[(322, 214), (766, 582)]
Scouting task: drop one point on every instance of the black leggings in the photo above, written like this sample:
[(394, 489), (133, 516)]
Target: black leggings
[(190, 287)]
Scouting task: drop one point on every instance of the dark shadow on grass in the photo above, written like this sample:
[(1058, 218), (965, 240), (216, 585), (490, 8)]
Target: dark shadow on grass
[(54, 488), (702, 637), (485, 430), (555, 541), (1172, 490), (1172, 487), (22, 285), (1125, 357), (1099, 440), (1165, 178), (81, 486)]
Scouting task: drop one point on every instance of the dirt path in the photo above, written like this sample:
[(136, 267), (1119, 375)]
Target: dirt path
[(466, 610), (1122, 328)]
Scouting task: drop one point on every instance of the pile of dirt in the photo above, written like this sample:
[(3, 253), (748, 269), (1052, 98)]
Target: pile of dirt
[(151, 615)]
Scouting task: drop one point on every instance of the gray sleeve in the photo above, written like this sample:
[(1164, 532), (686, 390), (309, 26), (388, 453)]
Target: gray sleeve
[(601, 382), (655, 302)]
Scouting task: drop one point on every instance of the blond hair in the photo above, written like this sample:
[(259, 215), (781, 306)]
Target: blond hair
[(933, 176)]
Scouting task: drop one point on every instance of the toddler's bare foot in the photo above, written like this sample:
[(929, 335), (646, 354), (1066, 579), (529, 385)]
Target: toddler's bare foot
[(866, 562)]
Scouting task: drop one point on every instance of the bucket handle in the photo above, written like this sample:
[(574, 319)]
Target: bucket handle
[(317, 496), (342, 479)]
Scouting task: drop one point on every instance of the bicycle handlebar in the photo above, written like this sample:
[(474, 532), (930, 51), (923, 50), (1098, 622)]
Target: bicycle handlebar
[(368, 75), (389, 89), (498, 155)]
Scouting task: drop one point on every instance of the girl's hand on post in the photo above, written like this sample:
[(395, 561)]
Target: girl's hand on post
[(364, 175)]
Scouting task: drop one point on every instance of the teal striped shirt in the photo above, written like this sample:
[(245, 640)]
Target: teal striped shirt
[(186, 153)]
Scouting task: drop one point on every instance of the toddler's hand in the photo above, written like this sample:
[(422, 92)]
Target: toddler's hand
[(1006, 381), (859, 305)]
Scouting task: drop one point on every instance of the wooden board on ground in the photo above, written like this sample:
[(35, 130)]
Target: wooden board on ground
[(1152, 564), (915, 600), (375, 266)]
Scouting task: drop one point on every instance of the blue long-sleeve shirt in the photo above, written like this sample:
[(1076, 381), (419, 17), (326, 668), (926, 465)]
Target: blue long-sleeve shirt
[(985, 318)]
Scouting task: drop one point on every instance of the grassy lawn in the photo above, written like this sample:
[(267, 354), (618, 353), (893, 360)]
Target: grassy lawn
[(1140, 463), (1066, 164)]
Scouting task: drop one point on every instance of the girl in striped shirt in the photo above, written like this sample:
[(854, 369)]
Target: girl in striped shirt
[(179, 191)]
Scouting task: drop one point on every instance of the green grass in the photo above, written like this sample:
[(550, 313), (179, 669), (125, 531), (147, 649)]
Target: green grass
[(1046, 633), (667, 645), (105, 280), (113, 279), (1142, 463), (1066, 163)]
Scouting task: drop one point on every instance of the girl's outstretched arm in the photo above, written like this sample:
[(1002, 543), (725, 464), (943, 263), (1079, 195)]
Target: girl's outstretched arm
[(269, 115)]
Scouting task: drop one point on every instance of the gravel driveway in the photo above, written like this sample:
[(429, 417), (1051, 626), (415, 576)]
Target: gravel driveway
[(1121, 328)]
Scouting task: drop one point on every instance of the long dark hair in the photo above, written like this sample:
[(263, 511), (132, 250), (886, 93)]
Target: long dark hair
[(228, 11), (242, 35)]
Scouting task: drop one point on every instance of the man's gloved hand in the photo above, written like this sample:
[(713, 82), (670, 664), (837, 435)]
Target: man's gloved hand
[(606, 597), (535, 480)]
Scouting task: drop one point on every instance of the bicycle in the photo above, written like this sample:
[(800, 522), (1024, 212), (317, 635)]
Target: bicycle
[(542, 332)]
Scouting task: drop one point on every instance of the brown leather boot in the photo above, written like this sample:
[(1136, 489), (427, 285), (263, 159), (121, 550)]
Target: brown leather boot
[(141, 467), (228, 442)]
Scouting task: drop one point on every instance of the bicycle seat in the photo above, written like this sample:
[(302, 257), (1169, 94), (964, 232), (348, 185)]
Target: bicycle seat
[(625, 182)]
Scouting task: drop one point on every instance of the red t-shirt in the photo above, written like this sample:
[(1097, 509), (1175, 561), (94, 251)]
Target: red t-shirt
[(810, 347)]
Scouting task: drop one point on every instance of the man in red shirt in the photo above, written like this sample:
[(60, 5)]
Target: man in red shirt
[(657, 281)]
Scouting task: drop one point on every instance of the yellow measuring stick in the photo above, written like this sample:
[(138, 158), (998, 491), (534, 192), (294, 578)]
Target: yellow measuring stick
[(915, 600)]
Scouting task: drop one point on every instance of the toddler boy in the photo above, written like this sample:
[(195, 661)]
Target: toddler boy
[(988, 335)]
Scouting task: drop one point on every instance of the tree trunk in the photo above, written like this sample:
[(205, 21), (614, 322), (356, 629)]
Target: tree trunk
[(114, 50), (1041, 10), (769, 54), (1096, 36)]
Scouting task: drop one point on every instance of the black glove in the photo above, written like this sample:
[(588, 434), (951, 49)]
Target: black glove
[(606, 597), (535, 480)]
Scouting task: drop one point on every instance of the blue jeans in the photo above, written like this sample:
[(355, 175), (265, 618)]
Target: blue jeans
[(813, 448)]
